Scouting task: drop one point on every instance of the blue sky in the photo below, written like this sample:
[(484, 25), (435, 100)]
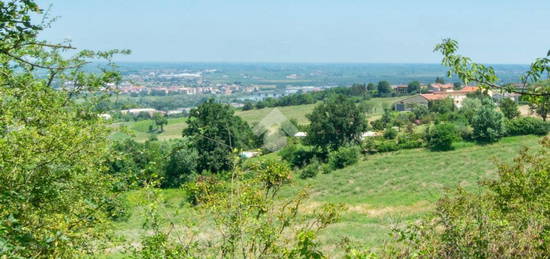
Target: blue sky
[(389, 31)]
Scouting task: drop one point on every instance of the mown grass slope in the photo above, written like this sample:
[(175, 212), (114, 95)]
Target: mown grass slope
[(381, 190)]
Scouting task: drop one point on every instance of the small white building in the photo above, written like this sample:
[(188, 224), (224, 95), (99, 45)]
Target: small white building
[(300, 134), (369, 134), (249, 154)]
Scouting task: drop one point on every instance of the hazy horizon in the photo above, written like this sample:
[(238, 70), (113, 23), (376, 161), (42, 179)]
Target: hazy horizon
[(348, 31)]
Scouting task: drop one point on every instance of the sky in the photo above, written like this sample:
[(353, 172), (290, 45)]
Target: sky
[(312, 31)]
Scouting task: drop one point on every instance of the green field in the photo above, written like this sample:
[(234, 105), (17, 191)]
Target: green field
[(380, 191), (175, 126)]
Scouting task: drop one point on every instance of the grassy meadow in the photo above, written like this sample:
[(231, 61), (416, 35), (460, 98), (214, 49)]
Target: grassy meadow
[(381, 191), (139, 129)]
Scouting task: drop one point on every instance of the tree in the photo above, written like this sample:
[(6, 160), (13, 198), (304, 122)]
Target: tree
[(384, 88), (182, 162), (540, 103), (457, 85), (334, 123), (439, 80), (413, 87), (248, 106), (509, 108), (442, 106), (358, 90), (485, 76), (160, 121), (470, 107), (488, 123), (215, 131), (371, 87), (55, 196), (441, 136)]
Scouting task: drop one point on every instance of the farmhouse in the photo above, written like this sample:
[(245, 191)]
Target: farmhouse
[(457, 96)]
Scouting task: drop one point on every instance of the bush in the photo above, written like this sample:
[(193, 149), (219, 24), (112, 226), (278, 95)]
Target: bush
[(409, 141), (488, 123), (202, 188), (509, 108), (441, 136), (343, 157), (390, 133), (526, 126), (387, 146), (311, 170), (297, 155)]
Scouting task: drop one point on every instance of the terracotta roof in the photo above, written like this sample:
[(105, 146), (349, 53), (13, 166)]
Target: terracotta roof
[(469, 89), (433, 97)]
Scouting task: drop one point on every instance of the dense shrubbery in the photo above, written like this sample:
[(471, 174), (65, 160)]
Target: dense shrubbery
[(488, 123), (343, 157), (298, 155), (390, 133), (441, 136), (526, 126)]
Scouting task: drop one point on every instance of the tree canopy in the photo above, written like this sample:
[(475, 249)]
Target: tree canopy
[(215, 132), (334, 123)]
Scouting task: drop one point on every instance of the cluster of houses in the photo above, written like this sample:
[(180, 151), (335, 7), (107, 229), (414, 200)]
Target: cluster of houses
[(218, 89), (441, 91)]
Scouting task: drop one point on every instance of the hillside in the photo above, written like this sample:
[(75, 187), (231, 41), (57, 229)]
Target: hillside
[(298, 112), (380, 191)]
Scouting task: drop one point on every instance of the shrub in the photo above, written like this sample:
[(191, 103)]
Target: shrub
[(509, 108), (409, 141), (311, 170), (343, 157), (526, 126), (390, 133), (202, 188), (488, 123), (441, 136), (387, 146), (297, 155), (420, 111)]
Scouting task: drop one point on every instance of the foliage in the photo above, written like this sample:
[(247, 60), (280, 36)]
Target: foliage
[(298, 155), (55, 198), (215, 131), (488, 123), (442, 106), (311, 169), (509, 108), (334, 123), (248, 221), (441, 136), (137, 163), (390, 133), (384, 88), (526, 126), (420, 111), (182, 163), (470, 107), (506, 219), (413, 87), (540, 103), (408, 141), (344, 156), (468, 71), (160, 121), (384, 122)]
